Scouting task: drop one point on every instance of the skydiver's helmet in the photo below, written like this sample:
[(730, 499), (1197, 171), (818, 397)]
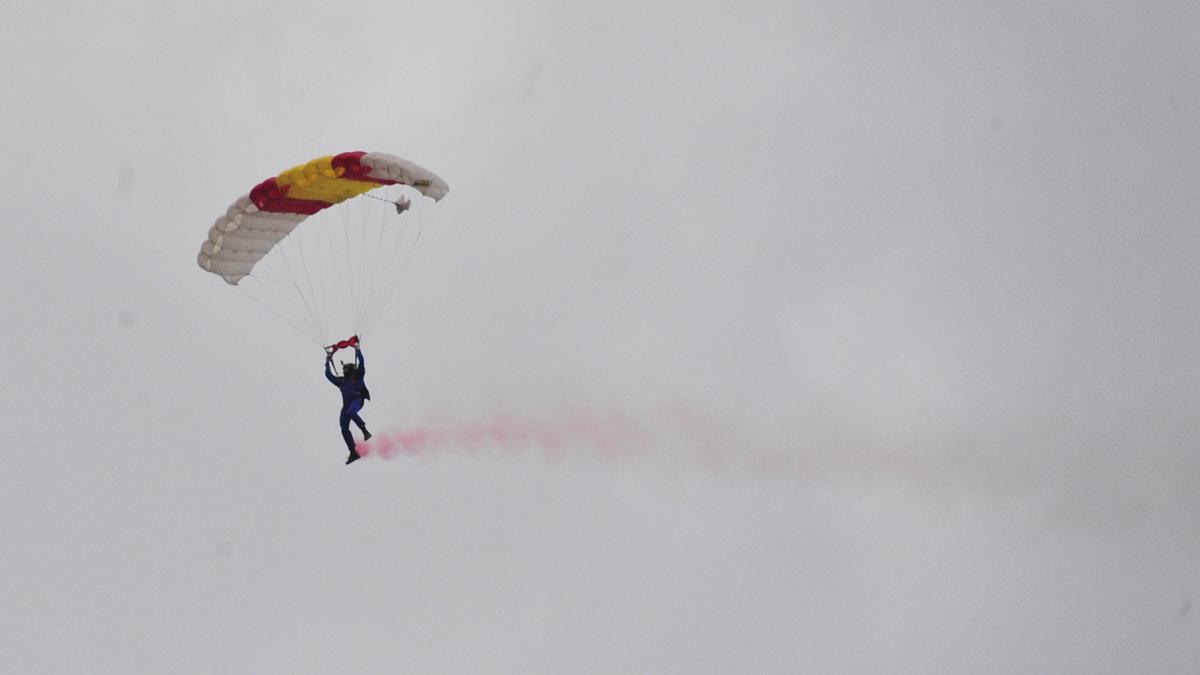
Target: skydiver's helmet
[(349, 370)]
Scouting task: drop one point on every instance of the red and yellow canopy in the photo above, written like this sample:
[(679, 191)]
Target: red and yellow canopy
[(257, 221)]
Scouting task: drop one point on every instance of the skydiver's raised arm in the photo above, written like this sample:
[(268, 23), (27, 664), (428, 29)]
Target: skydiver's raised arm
[(329, 370), (362, 369)]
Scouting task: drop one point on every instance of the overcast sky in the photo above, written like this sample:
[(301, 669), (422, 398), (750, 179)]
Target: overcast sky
[(900, 297)]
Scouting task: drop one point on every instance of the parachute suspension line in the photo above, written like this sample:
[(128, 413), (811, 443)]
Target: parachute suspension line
[(347, 290), (387, 290), (323, 285), (330, 277), (350, 272), (349, 222), (355, 254), (358, 254), (381, 304), (364, 221), (378, 220), (315, 301), (285, 292), (277, 290), (323, 298), (373, 265), (296, 295), (376, 313), (387, 276), (300, 283), (305, 298), (298, 298), (392, 246), (306, 333), (351, 290), (389, 233)]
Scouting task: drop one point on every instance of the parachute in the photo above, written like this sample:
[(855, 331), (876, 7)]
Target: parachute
[(324, 245)]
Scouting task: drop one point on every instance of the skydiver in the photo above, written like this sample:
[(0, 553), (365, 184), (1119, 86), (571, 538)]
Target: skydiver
[(354, 395)]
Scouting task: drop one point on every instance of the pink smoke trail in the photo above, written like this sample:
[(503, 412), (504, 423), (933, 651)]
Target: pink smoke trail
[(612, 433), (679, 436), (673, 437)]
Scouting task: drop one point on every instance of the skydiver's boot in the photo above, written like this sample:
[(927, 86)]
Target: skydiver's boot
[(354, 456), (366, 434)]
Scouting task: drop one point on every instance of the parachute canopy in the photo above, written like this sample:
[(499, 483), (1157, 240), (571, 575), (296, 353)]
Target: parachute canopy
[(333, 276), (257, 221)]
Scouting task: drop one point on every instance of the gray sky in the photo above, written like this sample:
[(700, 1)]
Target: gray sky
[(922, 273)]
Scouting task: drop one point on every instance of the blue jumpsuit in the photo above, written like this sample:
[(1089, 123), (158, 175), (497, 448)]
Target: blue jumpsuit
[(354, 394)]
